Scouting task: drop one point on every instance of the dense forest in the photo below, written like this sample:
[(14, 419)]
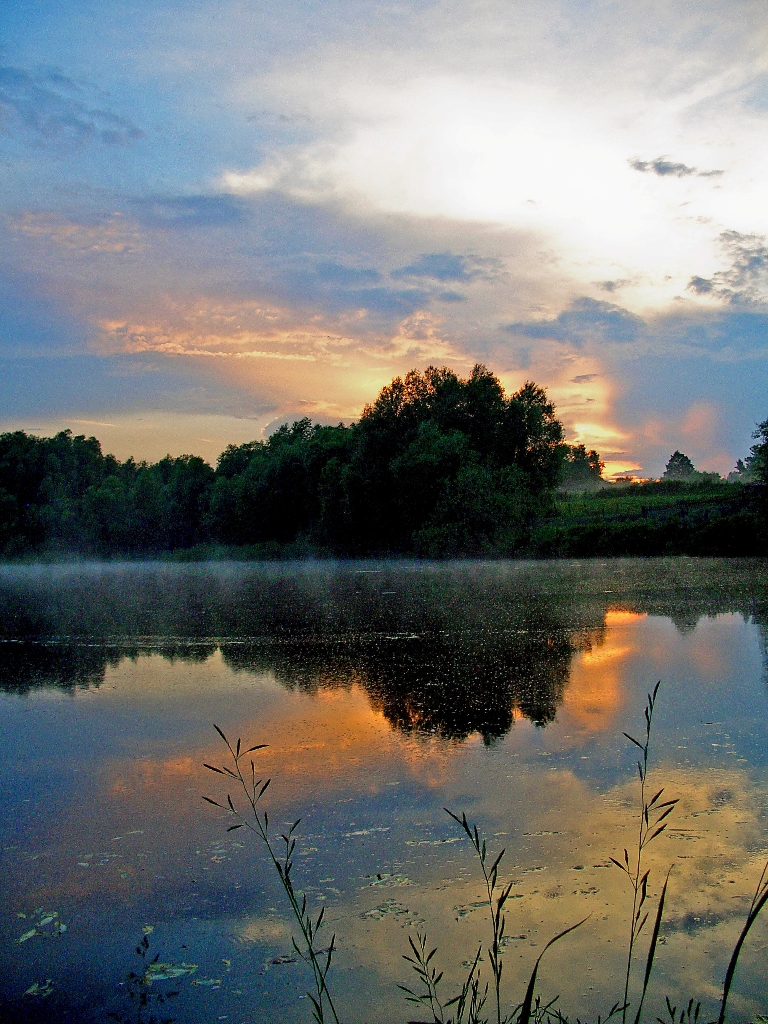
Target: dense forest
[(437, 466)]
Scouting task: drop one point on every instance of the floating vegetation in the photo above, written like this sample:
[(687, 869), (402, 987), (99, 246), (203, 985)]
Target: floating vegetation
[(139, 984), (41, 989), (44, 922), (475, 993), (389, 908), (391, 880), (159, 971)]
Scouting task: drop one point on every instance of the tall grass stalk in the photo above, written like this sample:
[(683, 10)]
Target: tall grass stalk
[(496, 903), (257, 822), (470, 1000), (653, 815), (758, 902)]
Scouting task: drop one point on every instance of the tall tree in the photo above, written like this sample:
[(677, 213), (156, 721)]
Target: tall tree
[(679, 467)]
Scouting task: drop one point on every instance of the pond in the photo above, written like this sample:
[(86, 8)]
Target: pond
[(386, 692)]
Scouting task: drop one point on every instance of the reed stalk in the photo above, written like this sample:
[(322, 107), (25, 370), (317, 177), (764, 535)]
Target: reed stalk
[(257, 822), (652, 822)]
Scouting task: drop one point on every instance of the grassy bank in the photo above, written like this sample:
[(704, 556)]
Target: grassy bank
[(659, 518)]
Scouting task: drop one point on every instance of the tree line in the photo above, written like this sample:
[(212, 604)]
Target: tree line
[(436, 466)]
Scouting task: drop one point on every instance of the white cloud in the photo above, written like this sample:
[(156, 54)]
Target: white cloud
[(528, 118)]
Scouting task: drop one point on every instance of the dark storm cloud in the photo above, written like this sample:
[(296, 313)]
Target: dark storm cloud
[(586, 320), (445, 266), (746, 279), (188, 211), (49, 108), (665, 168)]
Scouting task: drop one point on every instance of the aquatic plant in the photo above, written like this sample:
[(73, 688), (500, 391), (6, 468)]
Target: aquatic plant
[(758, 902), (652, 822), (469, 1002), (467, 1006), (138, 984), (257, 822), (469, 999)]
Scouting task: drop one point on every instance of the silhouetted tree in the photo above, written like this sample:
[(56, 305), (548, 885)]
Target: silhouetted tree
[(436, 465), (582, 469), (757, 461), (679, 467)]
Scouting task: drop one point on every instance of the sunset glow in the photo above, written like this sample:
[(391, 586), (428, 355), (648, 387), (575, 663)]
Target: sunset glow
[(219, 219)]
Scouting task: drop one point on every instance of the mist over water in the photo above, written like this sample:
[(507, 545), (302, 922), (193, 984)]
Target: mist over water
[(385, 691)]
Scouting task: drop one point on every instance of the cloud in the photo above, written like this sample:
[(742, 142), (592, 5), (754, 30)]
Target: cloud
[(113, 234), (613, 286), (584, 378), (445, 266), (586, 320), (337, 273), (746, 279), (49, 108), (337, 289), (188, 211), (665, 168)]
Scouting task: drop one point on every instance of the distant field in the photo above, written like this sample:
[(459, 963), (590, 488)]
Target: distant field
[(663, 518)]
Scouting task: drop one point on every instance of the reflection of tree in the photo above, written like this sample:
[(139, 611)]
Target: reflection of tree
[(25, 667), (476, 642), (448, 684)]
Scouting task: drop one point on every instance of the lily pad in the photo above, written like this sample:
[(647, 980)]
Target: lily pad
[(390, 880), (42, 989), (389, 908), (163, 972)]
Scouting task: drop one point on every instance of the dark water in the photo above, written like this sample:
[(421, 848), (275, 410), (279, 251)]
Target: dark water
[(385, 692)]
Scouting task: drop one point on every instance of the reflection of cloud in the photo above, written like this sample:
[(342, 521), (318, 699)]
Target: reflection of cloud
[(596, 693), (559, 834), (262, 930)]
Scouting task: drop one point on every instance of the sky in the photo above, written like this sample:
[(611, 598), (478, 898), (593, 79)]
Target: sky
[(217, 216)]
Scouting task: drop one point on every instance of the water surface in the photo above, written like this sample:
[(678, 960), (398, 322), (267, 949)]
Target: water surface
[(386, 692)]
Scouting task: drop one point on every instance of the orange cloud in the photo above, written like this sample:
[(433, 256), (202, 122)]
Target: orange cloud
[(116, 235)]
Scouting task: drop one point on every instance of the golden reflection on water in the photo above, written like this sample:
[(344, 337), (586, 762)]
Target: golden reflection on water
[(595, 695), (331, 745), (560, 832)]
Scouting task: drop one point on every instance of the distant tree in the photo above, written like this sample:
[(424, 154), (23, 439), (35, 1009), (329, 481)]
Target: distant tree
[(283, 487), (437, 465), (582, 469), (742, 474), (757, 461), (679, 467)]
